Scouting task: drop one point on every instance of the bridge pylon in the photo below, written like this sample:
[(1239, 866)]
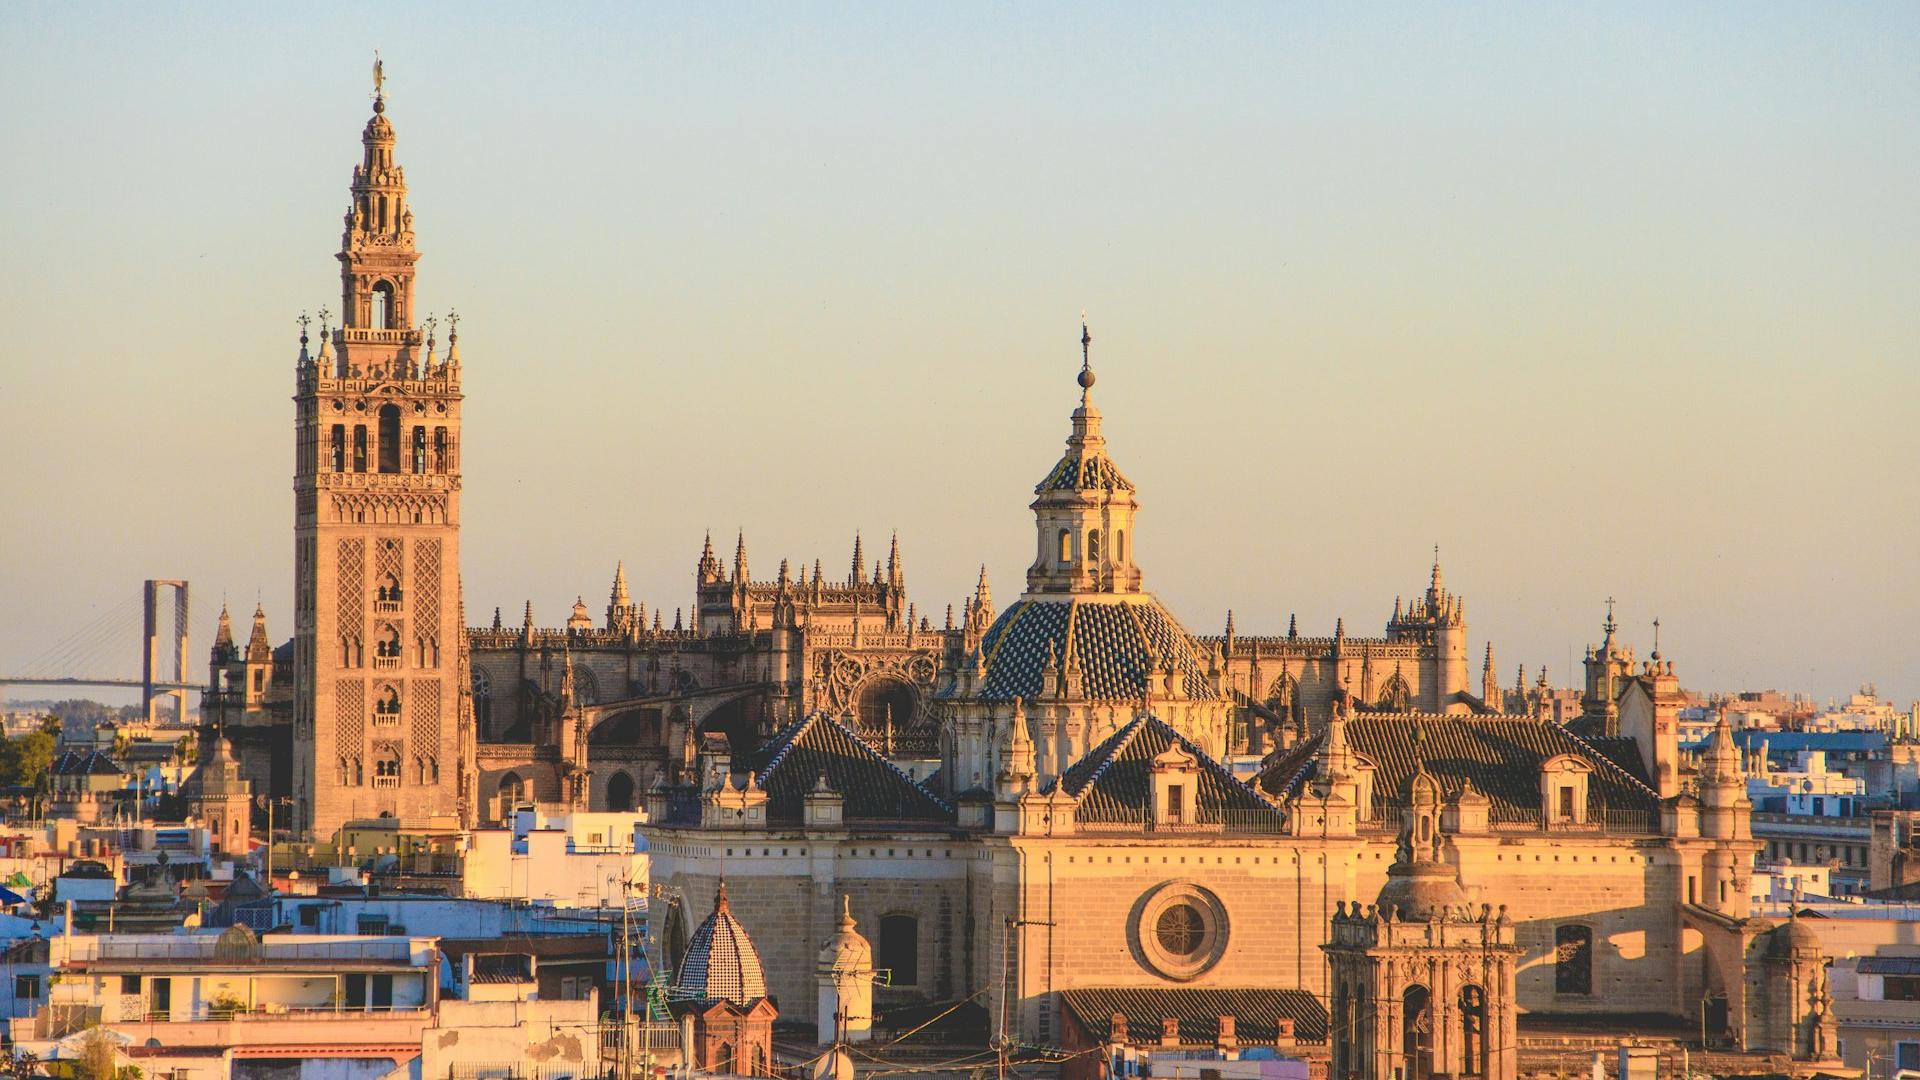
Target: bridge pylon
[(150, 652)]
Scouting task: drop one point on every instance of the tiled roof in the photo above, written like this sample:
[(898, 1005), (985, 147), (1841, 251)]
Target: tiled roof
[(1113, 782), (1256, 1013), (1115, 642), (85, 763), (873, 789), (1501, 756), (1079, 471), (721, 963)]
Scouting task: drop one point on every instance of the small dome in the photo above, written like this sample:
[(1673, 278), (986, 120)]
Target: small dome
[(1416, 891), (846, 950), (1794, 936), (721, 963)]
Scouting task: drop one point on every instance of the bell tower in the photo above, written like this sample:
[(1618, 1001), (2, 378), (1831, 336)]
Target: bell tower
[(382, 716)]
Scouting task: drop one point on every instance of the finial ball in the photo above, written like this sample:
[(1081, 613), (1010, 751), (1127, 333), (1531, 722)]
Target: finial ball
[(1086, 378)]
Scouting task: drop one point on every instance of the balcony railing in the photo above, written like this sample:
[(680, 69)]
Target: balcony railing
[(1237, 822)]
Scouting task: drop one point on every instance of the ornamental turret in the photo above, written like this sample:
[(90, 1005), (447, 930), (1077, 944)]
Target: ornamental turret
[(1084, 509)]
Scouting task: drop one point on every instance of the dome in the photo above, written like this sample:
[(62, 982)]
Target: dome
[(846, 950), (1115, 639), (1794, 936), (721, 963), (1416, 890)]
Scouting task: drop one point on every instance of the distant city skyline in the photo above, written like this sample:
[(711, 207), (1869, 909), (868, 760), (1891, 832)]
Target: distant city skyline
[(1605, 303)]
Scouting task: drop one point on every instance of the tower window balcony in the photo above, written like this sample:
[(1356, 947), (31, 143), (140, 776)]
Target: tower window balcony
[(386, 663)]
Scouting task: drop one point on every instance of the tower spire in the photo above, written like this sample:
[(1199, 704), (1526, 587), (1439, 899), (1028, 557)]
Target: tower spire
[(377, 334), (1086, 361)]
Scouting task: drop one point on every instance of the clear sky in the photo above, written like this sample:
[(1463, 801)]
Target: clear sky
[(1610, 299)]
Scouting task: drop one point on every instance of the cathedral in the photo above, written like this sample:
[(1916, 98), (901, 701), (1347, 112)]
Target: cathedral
[(1073, 811)]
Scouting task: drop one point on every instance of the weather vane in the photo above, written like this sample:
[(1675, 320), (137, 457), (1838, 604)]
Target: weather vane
[(453, 321), (324, 316), (379, 77), (303, 320)]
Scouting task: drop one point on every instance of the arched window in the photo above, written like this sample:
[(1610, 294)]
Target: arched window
[(389, 438), (389, 590), (440, 450), (1120, 546), (722, 1058), (1573, 959), (760, 1059), (884, 703), (1473, 1030), (388, 645), (339, 448), (620, 793), (419, 449), (512, 792), (900, 948), (387, 703), (359, 448), (1416, 1032), (387, 765), (1066, 547), (382, 315), (1093, 546), (483, 703)]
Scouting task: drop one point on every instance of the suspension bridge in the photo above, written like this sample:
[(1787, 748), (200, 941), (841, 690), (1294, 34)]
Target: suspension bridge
[(102, 645)]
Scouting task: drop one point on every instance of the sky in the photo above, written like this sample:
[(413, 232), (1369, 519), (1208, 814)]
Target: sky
[(1602, 299)]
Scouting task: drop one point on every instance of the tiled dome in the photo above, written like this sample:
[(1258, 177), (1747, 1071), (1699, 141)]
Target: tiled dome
[(721, 961), (1116, 641)]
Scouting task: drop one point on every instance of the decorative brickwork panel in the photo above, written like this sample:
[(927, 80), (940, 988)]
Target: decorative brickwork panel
[(424, 698), (387, 565), (350, 716), (353, 590), (426, 583)]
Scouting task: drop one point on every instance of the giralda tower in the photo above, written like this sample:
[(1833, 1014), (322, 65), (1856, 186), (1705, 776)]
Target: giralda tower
[(382, 721)]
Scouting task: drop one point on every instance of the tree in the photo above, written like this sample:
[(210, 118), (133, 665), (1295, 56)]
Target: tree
[(24, 761), (99, 1058)]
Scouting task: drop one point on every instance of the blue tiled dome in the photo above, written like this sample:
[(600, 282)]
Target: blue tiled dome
[(1116, 642)]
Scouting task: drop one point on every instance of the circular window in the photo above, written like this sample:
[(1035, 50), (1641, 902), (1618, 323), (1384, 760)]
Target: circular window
[(1179, 930)]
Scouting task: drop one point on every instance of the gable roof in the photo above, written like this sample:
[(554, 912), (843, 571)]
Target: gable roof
[(85, 763), (1114, 781), (1501, 755), (789, 765)]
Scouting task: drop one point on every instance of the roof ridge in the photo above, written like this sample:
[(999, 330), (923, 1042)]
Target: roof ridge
[(1008, 620), (1113, 745), (783, 743), (882, 759)]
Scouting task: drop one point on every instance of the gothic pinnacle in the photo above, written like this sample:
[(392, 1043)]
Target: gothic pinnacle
[(859, 563), (893, 560), (620, 597)]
